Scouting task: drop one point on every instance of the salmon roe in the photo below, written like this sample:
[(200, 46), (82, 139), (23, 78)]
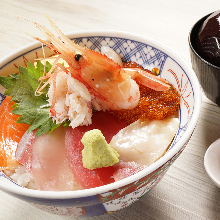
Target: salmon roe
[(152, 105)]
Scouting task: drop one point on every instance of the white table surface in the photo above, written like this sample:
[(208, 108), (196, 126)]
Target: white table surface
[(186, 192)]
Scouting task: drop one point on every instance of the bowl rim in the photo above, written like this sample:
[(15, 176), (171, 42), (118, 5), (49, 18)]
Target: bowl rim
[(102, 189), (191, 46)]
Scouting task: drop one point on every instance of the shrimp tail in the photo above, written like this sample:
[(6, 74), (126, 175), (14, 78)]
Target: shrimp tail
[(145, 78)]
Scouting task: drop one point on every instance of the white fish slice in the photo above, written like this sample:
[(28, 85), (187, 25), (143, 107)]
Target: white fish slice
[(145, 142)]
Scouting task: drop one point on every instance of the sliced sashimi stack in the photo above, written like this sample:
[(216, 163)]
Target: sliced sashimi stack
[(45, 159), (55, 159)]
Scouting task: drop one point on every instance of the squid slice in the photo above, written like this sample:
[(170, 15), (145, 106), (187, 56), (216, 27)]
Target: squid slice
[(145, 142)]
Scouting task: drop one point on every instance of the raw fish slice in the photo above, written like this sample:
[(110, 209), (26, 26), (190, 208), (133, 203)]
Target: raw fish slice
[(48, 166), (126, 169), (24, 150), (10, 135), (86, 178), (145, 142)]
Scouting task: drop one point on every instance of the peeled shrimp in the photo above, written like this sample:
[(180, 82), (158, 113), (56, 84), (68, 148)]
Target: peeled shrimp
[(109, 84), (110, 53)]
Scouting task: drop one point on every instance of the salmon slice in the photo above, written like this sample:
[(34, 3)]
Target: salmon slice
[(10, 134)]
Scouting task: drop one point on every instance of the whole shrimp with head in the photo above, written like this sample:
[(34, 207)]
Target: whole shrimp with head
[(106, 84)]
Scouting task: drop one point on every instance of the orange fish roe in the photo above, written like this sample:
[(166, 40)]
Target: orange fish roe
[(132, 64), (152, 105)]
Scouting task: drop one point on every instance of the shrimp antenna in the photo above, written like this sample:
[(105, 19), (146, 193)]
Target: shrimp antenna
[(58, 31)]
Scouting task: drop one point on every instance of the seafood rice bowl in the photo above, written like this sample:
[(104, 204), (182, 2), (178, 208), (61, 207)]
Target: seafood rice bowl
[(112, 196)]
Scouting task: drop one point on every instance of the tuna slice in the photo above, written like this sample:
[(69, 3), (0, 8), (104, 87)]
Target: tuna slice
[(44, 157), (126, 169), (86, 178)]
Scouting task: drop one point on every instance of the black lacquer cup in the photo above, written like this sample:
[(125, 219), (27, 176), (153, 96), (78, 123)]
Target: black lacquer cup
[(207, 73)]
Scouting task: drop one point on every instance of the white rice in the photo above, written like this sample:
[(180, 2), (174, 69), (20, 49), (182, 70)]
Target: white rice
[(21, 176)]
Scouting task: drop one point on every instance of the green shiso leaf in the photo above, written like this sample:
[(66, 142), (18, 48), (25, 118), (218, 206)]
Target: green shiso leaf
[(33, 109)]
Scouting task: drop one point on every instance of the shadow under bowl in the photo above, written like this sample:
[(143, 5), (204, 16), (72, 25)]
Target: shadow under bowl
[(207, 73)]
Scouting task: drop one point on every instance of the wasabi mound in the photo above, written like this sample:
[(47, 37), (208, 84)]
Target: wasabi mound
[(97, 153)]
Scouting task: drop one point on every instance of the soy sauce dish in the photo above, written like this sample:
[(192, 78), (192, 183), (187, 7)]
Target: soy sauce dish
[(115, 196), (212, 162)]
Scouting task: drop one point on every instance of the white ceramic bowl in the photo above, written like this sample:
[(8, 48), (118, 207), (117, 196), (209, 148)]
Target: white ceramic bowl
[(112, 197), (212, 162)]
